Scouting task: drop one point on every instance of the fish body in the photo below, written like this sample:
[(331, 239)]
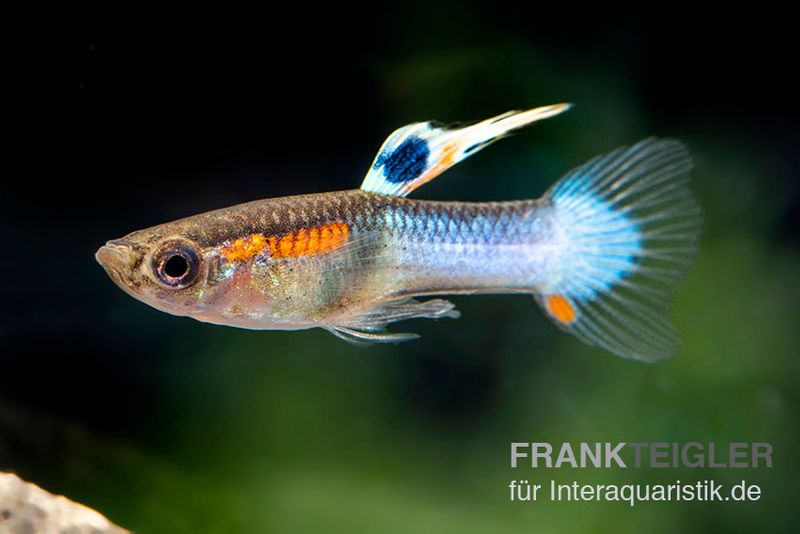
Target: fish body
[(601, 252)]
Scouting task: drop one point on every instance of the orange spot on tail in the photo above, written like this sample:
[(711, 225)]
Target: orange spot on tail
[(560, 308)]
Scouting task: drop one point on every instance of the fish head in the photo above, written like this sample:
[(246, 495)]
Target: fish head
[(164, 269), (176, 268)]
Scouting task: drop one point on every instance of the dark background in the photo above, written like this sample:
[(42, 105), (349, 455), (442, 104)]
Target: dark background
[(166, 424)]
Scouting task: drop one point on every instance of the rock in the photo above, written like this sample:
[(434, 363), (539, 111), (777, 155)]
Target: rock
[(27, 509)]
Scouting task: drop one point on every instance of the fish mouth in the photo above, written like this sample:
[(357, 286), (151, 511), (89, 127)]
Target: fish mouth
[(114, 254), (117, 258)]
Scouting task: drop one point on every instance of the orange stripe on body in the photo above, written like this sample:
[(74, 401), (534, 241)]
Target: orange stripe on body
[(245, 248), (303, 242), (560, 308)]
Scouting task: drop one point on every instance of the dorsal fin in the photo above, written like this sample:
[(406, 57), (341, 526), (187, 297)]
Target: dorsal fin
[(418, 153)]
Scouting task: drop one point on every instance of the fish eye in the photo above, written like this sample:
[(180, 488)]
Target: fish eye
[(176, 266)]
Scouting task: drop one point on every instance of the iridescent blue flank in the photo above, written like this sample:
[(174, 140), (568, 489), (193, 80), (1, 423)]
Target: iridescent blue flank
[(405, 162)]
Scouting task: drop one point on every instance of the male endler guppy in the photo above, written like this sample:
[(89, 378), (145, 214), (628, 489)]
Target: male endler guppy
[(601, 252)]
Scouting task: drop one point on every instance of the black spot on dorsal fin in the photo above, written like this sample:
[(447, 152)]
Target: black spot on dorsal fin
[(406, 162)]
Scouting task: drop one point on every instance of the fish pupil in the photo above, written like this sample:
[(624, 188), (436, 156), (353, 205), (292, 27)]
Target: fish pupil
[(176, 267)]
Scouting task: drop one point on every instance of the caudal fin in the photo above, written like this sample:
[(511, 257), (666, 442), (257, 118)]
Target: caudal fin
[(628, 227)]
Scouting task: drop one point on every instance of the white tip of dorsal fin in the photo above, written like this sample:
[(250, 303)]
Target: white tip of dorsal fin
[(518, 119), (418, 153)]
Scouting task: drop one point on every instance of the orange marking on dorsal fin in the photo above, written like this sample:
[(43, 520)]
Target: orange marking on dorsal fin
[(308, 241), (446, 158), (560, 308)]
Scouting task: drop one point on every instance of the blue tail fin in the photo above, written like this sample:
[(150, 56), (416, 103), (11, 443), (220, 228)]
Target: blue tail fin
[(629, 227)]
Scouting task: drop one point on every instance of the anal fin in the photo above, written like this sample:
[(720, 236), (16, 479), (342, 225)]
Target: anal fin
[(369, 326), (361, 337)]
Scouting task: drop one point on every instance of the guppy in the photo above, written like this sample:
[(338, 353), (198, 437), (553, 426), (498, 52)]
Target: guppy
[(601, 252)]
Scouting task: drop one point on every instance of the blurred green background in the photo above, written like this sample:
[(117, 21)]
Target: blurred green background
[(165, 424)]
